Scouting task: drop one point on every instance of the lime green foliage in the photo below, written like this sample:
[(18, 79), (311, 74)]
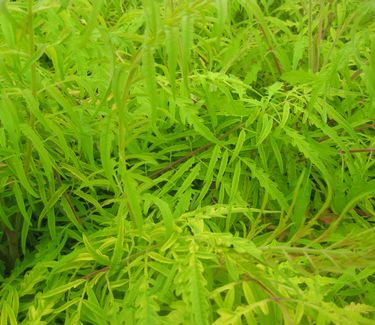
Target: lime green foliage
[(187, 162)]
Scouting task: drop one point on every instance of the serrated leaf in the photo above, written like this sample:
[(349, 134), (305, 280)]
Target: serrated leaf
[(148, 65), (203, 130), (134, 200), (165, 212), (277, 152), (118, 250), (265, 181), (235, 180), (248, 293), (171, 34), (187, 30), (70, 213), (53, 200), (358, 191), (178, 174), (40, 148), (210, 173), (189, 180), (198, 290), (240, 141), (223, 167), (96, 254), (147, 311), (266, 129), (62, 289)]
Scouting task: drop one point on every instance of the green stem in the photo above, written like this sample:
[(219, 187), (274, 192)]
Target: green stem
[(30, 31), (311, 40)]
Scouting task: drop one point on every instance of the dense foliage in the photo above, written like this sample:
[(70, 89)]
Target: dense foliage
[(187, 162)]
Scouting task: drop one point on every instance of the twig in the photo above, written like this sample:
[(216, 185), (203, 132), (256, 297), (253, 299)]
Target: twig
[(123, 262), (357, 150), (90, 275), (360, 128), (368, 126), (193, 153), (276, 60)]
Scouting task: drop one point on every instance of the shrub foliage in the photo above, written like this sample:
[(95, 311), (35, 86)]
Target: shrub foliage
[(187, 162)]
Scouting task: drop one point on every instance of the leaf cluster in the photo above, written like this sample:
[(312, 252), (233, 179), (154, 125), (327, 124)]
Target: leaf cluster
[(188, 162)]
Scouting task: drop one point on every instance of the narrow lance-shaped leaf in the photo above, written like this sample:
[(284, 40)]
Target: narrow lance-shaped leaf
[(178, 174), (53, 200), (187, 43), (119, 246), (202, 129), (106, 140), (62, 289), (133, 199), (18, 167), (165, 211), (96, 254), (189, 180), (222, 168), (265, 181), (301, 199), (70, 213), (240, 141), (210, 173), (148, 65), (20, 203), (40, 148), (171, 34), (265, 130)]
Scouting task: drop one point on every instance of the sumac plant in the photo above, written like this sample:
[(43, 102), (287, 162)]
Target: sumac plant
[(187, 162)]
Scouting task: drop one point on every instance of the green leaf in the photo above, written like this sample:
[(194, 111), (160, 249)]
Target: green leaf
[(17, 165), (222, 13), (210, 173), (70, 213), (5, 218), (106, 140), (62, 289), (147, 307), (235, 180), (267, 124), (240, 141), (203, 130), (189, 180), (191, 283), (53, 200), (133, 200), (96, 254), (265, 181), (172, 39), (187, 30), (20, 203), (277, 153), (301, 200), (222, 168), (165, 212), (357, 192), (178, 174), (37, 142), (299, 50), (308, 150), (148, 66)]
